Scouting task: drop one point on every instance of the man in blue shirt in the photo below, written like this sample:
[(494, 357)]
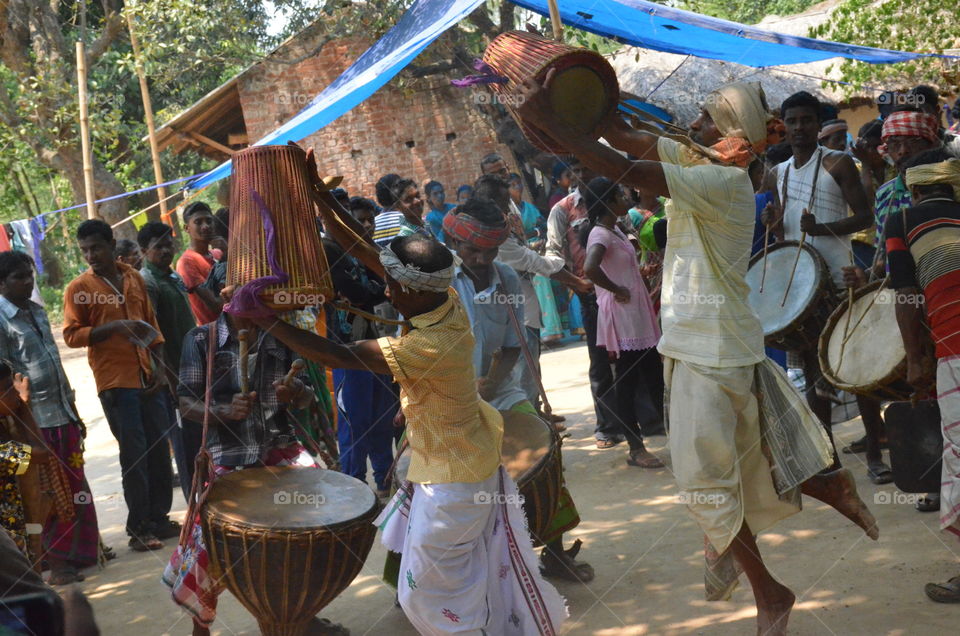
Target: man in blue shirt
[(436, 198)]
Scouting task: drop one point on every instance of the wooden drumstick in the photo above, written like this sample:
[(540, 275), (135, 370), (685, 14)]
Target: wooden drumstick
[(244, 337), (766, 244), (846, 324), (803, 239), (295, 368)]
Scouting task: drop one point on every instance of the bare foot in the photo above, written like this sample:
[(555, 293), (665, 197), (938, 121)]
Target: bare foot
[(773, 610), (838, 489)]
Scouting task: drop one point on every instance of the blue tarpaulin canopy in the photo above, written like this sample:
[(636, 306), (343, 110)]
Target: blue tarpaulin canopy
[(634, 22), (655, 26)]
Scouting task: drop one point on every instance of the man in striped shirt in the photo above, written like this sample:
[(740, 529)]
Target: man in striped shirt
[(923, 250)]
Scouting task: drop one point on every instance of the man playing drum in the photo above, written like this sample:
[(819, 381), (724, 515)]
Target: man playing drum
[(922, 252), (815, 188), (467, 566), (489, 289), (715, 365), (246, 429)]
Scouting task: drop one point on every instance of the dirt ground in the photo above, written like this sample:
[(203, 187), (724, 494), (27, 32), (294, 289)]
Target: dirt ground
[(645, 548)]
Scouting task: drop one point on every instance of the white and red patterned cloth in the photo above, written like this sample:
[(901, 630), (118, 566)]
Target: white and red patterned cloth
[(948, 397), (187, 574), (467, 562)]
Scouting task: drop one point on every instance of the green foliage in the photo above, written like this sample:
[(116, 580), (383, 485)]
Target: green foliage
[(746, 11), (925, 26)]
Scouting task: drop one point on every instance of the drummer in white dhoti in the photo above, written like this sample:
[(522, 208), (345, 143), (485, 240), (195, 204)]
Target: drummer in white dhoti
[(814, 192), (467, 566), (921, 245), (741, 439)]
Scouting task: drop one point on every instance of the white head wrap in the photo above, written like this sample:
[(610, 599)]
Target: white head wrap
[(412, 276)]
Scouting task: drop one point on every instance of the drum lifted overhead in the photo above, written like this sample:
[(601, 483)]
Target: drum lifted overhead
[(286, 541)]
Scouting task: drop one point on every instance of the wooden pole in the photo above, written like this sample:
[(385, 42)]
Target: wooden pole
[(555, 20), (85, 131), (151, 128)]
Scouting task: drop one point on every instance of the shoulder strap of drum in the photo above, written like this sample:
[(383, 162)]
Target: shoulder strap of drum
[(203, 464), (813, 186)]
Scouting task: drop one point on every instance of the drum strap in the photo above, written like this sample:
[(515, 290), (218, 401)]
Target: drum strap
[(813, 187), (531, 364), (203, 474)]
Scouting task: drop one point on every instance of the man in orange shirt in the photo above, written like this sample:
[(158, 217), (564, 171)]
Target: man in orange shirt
[(195, 263), (107, 310)]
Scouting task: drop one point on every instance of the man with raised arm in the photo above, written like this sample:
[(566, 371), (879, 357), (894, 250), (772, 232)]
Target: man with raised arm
[(735, 481)]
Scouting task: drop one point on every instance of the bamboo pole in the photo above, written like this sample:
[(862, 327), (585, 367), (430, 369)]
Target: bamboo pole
[(85, 131), (151, 127), (555, 20)]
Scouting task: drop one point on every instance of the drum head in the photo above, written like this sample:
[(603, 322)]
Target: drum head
[(806, 285), (526, 441), (874, 346), (289, 498), (579, 97)]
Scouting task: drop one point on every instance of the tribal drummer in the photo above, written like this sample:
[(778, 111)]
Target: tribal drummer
[(467, 566), (715, 367), (247, 429)]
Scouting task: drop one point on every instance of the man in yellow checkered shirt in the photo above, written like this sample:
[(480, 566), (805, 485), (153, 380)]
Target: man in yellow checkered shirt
[(467, 566)]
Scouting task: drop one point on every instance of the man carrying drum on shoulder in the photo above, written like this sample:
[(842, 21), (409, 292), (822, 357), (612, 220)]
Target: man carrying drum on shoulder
[(814, 191), (714, 360), (247, 428), (467, 564)]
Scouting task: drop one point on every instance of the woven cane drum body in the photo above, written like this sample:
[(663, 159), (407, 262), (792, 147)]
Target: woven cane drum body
[(794, 325), (531, 456), (584, 90), (873, 361), (279, 175), (287, 541)]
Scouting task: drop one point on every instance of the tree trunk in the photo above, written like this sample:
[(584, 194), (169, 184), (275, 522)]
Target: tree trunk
[(68, 161)]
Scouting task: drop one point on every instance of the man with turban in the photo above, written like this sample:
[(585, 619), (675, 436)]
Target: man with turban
[(489, 289), (467, 565), (734, 482), (925, 270)]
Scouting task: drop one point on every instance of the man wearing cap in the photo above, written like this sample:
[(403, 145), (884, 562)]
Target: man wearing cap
[(457, 519), (925, 270), (715, 366)]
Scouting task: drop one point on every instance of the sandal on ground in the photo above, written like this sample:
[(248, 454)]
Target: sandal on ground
[(167, 530), (566, 566), (948, 592), (603, 444), (108, 553), (651, 461), (879, 473), (145, 543), (65, 575), (325, 627), (928, 503), (860, 446)]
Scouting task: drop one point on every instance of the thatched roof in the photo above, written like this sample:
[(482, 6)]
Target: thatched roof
[(647, 74)]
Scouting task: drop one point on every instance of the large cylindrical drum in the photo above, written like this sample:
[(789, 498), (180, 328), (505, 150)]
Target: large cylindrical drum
[(584, 90), (279, 175), (287, 541)]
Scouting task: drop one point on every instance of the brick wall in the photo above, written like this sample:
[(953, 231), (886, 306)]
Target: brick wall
[(425, 130)]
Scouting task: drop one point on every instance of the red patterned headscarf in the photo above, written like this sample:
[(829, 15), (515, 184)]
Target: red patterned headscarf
[(464, 227), (910, 124)]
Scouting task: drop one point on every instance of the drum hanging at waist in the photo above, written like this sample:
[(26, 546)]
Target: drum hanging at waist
[(531, 456), (792, 320), (861, 350)]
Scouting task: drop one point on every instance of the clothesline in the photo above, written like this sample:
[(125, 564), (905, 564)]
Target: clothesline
[(125, 194)]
